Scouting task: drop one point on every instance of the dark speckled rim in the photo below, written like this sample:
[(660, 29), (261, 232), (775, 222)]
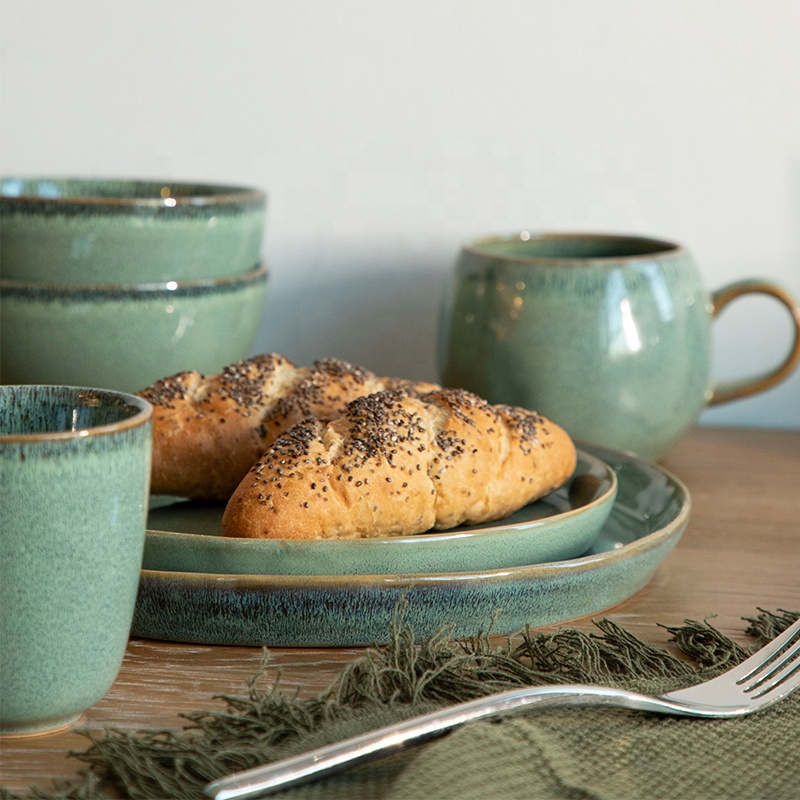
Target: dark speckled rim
[(142, 415), (65, 195), (645, 247), (343, 611), (121, 291)]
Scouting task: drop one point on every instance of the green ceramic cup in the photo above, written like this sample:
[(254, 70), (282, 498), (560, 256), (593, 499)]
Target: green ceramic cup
[(124, 337), (74, 481), (80, 231), (610, 336)]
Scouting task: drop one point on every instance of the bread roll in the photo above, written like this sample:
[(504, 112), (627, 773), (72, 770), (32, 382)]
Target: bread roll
[(396, 464), (209, 430)]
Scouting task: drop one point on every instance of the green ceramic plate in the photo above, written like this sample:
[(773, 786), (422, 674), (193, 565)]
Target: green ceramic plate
[(187, 537), (647, 519)]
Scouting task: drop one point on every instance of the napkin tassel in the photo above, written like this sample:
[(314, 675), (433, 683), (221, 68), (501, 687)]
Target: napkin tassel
[(397, 681)]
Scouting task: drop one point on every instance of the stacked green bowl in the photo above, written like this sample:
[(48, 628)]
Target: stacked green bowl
[(116, 283)]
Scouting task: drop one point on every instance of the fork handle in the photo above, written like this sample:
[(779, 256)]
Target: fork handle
[(392, 738)]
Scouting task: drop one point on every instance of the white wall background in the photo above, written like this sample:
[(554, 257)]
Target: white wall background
[(387, 133)]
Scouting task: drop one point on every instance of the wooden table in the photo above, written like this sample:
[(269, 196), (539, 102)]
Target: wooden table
[(740, 551)]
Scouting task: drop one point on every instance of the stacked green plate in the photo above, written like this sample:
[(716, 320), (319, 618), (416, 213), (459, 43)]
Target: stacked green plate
[(577, 552)]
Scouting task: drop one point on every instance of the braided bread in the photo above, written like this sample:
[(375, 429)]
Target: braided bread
[(209, 430), (398, 463)]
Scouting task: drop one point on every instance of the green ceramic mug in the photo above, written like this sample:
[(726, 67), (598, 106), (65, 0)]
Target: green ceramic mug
[(611, 336), (74, 481)]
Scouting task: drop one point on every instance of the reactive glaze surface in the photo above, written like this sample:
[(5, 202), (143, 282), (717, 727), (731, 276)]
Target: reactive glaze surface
[(648, 518), (610, 335), (187, 537), (74, 479), (82, 231), (126, 337)]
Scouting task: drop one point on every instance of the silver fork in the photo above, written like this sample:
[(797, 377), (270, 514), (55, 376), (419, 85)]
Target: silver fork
[(767, 676)]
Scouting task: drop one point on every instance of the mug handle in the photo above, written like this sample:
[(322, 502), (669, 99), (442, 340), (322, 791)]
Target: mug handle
[(732, 390)]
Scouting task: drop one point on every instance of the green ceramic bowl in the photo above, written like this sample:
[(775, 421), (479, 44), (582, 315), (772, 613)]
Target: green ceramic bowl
[(74, 480), (187, 536), (124, 337), (81, 231)]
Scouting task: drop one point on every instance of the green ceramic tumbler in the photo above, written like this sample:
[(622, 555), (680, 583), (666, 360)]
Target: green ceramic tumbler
[(610, 336), (74, 480)]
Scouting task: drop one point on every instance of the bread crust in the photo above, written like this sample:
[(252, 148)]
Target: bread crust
[(209, 430), (399, 463)]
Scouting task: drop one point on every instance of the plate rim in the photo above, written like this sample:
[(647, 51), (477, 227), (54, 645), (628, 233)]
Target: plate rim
[(437, 536), (592, 560)]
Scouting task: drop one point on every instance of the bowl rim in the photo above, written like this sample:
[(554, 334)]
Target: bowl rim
[(143, 414), (190, 193), (172, 288)]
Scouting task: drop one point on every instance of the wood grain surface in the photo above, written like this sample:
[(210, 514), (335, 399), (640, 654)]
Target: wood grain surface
[(741, 551)]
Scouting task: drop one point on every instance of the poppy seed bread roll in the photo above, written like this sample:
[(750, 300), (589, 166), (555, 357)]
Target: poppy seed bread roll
[(209, 430), (398, 463)]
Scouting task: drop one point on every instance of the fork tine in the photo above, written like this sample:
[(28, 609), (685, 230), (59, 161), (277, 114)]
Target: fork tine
[(770, 666), (777, 652), (764, 655), (786, 682), (785, 669), (746, 688)]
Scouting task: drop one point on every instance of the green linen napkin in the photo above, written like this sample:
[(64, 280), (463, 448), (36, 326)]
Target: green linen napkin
[(567, 754)]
